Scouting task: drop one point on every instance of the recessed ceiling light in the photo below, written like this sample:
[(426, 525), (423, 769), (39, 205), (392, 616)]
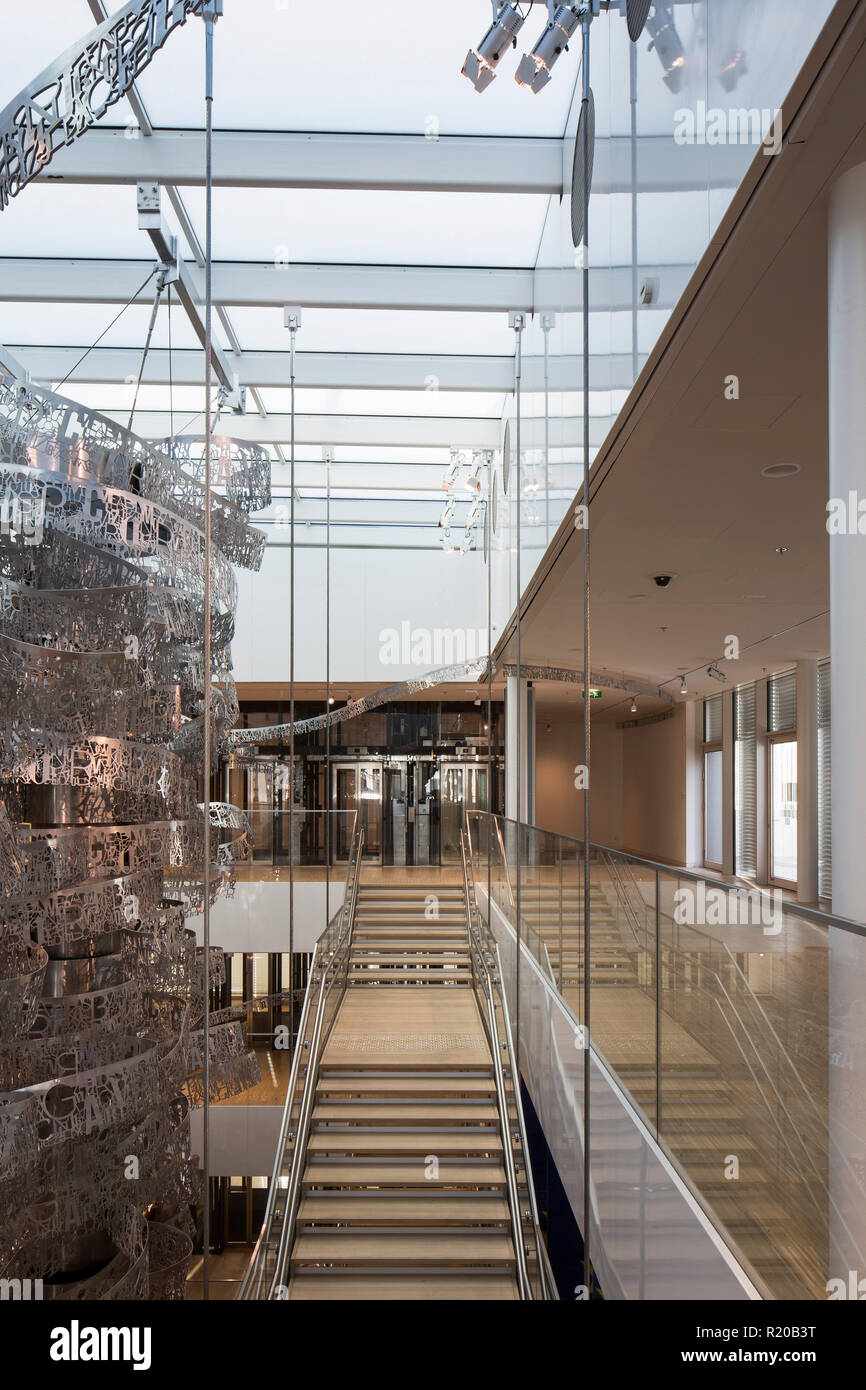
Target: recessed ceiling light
[(780, 470)]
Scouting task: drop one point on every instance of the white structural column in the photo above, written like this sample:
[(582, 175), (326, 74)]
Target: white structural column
[(807, 781), (520, 750), (847, 446)]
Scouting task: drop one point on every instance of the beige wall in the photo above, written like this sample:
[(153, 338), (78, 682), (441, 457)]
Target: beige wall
[(638, 799), (654, 789), (558, 805)]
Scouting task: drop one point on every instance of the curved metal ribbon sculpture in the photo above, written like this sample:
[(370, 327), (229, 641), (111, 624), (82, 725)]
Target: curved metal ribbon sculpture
[(75, 91), (102, 838)]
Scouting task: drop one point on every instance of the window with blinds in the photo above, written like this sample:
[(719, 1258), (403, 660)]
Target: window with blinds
[(825, 824), (745, 783), (782, 702), (713, 719)]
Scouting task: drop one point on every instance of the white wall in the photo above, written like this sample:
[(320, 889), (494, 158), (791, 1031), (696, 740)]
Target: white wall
[(257, 917), (371, 591)]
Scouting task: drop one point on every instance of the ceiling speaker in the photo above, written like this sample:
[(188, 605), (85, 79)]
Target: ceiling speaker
[(636, 12), (579, 173), (506, 458)]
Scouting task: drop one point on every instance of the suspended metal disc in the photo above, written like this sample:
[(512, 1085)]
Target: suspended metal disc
[(506, 458), (636, 12), (579, 174)]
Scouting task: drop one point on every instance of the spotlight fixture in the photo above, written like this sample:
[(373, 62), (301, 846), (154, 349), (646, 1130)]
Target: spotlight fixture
[(481, 62), (472, 481), (684, 689), (732, 70), (634, 705), (667, 44), (474, 513), (448, 546), (447, 513), (453, 469), (533, 70), (716, 673)]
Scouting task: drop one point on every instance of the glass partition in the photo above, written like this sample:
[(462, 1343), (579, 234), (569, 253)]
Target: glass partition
[(713, 1009)]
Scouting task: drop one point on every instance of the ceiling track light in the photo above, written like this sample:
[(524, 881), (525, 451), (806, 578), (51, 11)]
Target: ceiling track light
[(472, 481), (447, 513), (533, 70), (481, 62), (633, 706), (716, 673), (667, 44), (684, 689), (454, 467)]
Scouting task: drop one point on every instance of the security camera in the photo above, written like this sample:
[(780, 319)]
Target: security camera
[(663, 580)]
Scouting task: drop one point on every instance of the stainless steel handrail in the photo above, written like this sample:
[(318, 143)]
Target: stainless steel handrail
[(299, 1151), (255, 1270), (492, 980)]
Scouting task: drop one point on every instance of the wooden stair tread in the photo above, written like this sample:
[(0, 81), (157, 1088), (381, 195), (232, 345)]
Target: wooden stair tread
[(428, 1247), (368, 1113), (448, 1208), (403, 1175), (304, 1287), (355, 1140), (445, 1086)]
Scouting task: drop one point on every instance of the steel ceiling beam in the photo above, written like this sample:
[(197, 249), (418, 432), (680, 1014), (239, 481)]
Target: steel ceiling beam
[(54, 280), (403, 163), (406, 431), (341, 371)]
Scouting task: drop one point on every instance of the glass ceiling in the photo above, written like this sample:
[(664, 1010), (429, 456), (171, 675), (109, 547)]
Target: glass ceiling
[(382, 69)]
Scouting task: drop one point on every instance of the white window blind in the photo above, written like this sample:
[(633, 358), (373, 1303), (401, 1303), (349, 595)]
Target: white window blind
[(782, 702), (745, 783), (713, 719), (825, 826)]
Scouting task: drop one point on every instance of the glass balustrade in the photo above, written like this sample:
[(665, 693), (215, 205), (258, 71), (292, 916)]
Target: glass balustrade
[(718, 1010)]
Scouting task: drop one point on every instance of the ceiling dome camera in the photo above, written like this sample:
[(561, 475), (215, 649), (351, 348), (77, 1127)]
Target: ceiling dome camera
[(663, 580)]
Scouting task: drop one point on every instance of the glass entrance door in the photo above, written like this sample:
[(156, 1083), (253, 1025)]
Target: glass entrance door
[(358, 787), (260, 810)]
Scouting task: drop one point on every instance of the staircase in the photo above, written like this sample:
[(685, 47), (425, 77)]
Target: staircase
[(404, 1187), (612, 960), (410, 936)]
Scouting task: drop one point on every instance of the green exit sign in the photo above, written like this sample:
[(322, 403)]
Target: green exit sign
[(593, 694)]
